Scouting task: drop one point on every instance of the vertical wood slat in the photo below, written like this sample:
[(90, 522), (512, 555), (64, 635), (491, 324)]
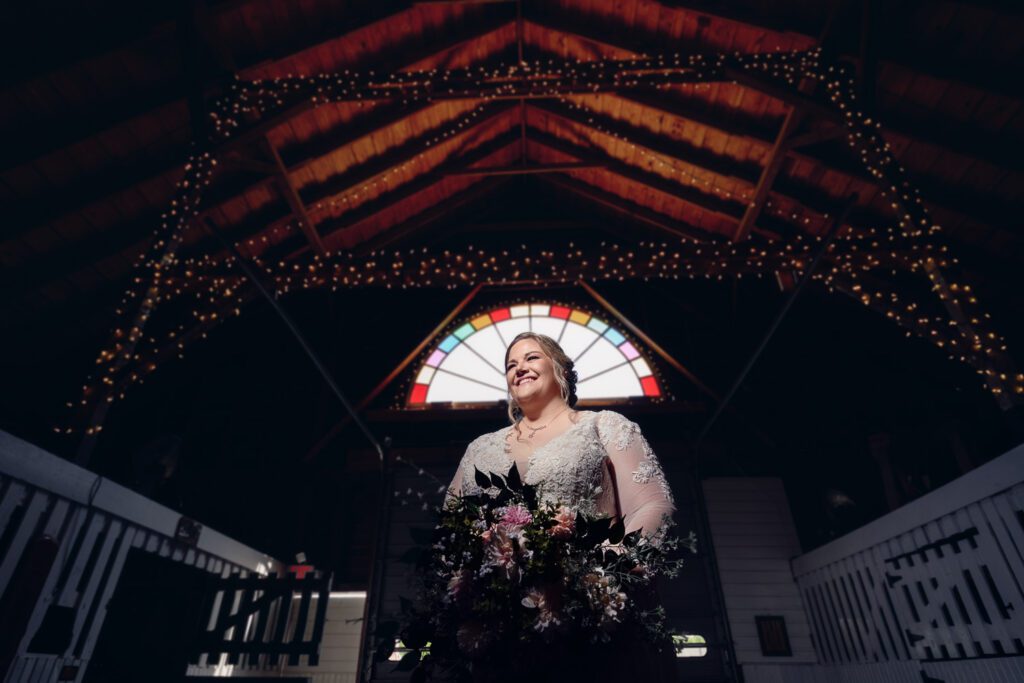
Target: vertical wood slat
[(947, 570), (300, 621), (92, 588), (69, 593), (14, 495), (1000, 518), (321, 615), (37, 505), (990, 558), (100, 606)]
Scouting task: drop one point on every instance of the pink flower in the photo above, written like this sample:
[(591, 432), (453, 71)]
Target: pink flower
[(458, 585), (502, 551), (486, 536), (545, 604), (516, 516), (565, 525)]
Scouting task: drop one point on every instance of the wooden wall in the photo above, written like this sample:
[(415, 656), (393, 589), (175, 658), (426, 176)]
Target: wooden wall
[(754, 540)]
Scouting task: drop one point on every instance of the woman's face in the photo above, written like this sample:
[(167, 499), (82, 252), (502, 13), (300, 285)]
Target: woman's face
[(530, 373)]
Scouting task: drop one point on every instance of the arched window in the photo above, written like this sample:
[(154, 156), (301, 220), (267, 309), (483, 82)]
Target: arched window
[(465, 366)]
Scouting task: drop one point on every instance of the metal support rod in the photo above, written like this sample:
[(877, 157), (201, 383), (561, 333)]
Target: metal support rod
[(833, 229), (321, 368)]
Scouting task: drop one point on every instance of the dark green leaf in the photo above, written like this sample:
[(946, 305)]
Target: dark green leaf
[(499, 481), (610, 557), (408, 661), (632, 538), (482, 480), (514, 482), (530, 496), (616, 532)]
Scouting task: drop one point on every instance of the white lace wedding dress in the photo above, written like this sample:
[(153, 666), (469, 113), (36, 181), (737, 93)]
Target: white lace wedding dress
[(601, 464)]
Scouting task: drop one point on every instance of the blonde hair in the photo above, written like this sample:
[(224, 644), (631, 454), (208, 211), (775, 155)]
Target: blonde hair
[(564, 373)]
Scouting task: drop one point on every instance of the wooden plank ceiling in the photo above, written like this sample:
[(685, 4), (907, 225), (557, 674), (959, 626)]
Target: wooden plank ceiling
[(98, 130)]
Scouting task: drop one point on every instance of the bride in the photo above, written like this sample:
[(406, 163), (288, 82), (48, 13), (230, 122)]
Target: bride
[(597, 461)]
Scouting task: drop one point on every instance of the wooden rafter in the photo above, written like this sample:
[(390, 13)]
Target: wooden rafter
[(773, 164), (291, 195), (630, 210), (731, 210), (531, 169), (331, 228)]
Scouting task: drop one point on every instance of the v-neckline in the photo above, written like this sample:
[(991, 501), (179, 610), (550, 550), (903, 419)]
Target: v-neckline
[(511, 459)]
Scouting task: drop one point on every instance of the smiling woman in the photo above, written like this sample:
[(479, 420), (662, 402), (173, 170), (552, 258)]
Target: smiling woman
[(594, 464)]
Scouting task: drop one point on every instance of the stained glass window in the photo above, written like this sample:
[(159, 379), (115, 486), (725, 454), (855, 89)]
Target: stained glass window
[(465, 366)]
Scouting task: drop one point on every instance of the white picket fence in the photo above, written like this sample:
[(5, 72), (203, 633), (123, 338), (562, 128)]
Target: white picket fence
[(94, 522), (931, 591)]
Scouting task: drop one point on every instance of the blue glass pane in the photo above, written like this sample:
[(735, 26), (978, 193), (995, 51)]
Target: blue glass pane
[(614, 337), (597, 326), (450, 342)]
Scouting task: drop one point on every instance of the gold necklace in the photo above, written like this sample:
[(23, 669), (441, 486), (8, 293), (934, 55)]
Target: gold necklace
[(534, 430)]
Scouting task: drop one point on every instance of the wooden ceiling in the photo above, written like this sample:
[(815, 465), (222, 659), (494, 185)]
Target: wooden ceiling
[(105, 100)]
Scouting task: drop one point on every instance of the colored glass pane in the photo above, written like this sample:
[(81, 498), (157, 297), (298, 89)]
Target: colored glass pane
[(614, 336), (467, 365), (629, 351), (560, 312), (419, 393), (579, 317)]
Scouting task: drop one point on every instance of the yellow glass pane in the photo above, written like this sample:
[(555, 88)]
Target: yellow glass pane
[(579, 317)]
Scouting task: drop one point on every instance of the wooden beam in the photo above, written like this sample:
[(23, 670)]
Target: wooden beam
[(446, 209), (332, 227), (662, 146), (729, 209), (391, 376), (772, 167), (299, 212), (651, 344), (662, 223), (525, 170)]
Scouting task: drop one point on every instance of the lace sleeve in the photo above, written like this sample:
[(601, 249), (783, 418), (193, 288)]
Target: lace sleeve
[(455, 488), (645, 498)]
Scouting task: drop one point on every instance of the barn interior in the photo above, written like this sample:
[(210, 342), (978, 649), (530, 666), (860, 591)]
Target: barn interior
[(802, 216)]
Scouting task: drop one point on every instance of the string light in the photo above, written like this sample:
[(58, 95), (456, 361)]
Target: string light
[(912, 245)]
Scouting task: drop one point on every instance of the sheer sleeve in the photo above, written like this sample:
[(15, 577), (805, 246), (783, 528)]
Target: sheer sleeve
[(455, 488), (642, 493)]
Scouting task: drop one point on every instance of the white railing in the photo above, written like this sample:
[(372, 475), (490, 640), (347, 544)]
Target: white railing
[(938, 582), (80, 527)]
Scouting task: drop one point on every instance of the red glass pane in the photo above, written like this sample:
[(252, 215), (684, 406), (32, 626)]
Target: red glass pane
[(501, 314), (560, 312), (419, 394), (650, 386)]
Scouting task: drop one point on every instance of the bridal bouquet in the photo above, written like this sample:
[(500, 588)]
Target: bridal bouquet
[(507, 577)]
